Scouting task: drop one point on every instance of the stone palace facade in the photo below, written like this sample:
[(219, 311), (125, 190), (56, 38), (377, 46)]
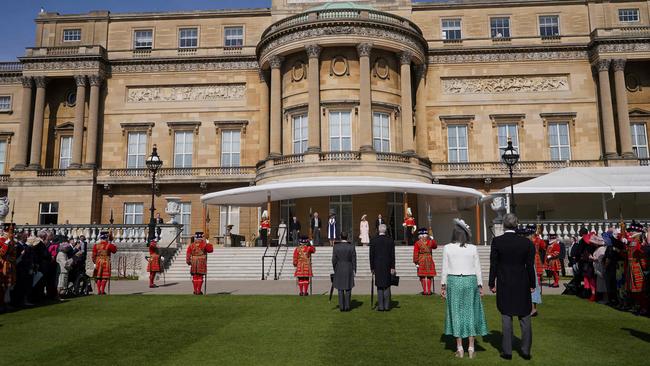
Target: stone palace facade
[(426, 91)]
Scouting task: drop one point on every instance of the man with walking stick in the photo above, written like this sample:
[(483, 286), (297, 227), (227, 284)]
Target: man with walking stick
[(382, 265), (197, 258)]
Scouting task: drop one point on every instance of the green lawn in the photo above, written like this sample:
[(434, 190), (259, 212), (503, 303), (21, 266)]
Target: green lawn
[(284, 330)]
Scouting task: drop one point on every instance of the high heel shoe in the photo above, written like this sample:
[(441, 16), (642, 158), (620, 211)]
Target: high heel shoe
[(460, 353), (470, 352)]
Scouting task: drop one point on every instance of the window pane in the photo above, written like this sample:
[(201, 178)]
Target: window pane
[(5, 103)]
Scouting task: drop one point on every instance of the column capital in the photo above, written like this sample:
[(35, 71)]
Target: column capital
[(619, 64), (80, 80), (603, 65), (95, 80), (313, 50), (405, 58), (364, 49), (41, 81), (275, 62), (27, 81)]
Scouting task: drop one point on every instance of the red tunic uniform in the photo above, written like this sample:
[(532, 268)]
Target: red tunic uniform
[(540, 245), (7, 263), (301, 260), (265, 224), (197, 257), (409, 222), (153, 263), (102, 259), (636, 264), (422, 257), (553, 257)]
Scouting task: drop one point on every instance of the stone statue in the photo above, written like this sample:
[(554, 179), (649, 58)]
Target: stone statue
[(173, 208), (498, 205), (4, 208)]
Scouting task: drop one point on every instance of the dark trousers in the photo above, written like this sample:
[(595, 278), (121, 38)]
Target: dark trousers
[(316, 236), (610, 284), (345, 297), (408, 236), (562, 268), (526, 334), (383, 299), (264, 236), (295, 236)]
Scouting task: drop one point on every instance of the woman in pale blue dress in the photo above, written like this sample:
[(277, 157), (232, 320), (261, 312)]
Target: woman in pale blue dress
[(536, 296)]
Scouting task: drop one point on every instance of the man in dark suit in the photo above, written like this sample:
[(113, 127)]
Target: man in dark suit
[(315, 225), (344, 261), (294, 229), (382, 265), (512, 278), (380, 221)]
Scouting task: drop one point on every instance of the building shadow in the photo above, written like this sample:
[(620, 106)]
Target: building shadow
[(644, 336)]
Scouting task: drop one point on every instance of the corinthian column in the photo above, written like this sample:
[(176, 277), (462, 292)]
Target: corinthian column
[(264, 117), (37, 130), (93, 120), (606, 108), (313, 109), (365, 102), (79, 112), (23, 128), (276, 106), (407, 103), (622, 109), (421, 126)]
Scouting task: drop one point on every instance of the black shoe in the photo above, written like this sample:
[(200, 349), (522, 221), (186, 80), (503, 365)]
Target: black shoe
[(526, 357), (506, 357)]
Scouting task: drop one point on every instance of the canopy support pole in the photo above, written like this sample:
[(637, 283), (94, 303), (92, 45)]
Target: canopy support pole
[(477, 213), (268, 205), (406, 205), (484, 215), (604, 206)]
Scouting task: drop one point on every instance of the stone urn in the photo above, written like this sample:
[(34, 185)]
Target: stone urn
[(4, 208), (173, 208)]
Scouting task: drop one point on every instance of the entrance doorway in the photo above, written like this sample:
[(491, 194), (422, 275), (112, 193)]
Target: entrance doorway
[(341, 206)]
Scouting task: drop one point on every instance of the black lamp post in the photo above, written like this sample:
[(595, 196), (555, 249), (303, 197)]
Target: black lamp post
[(153, 164), (510, 157)]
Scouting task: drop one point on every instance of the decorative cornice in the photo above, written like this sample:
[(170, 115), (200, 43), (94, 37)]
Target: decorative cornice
[(80, 80), (506, 55), (5, 80), (364, 49), (619, 64), (181, 66), (231, 125), (184, 125), (313, 50), (621, 46), (63, 65)]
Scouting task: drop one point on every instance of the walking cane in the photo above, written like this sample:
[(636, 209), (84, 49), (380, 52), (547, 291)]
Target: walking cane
[(372, 292), (109, 285), (311, 281), (205, 284)]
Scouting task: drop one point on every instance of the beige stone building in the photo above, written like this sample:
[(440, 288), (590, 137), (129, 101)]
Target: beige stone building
[(427, 92)]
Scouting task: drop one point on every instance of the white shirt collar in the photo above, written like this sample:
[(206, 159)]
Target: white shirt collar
[(509, 231)]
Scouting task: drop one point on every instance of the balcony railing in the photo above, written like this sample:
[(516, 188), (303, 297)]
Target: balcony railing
[(339, 155), (92, 50), (571, 228), (522, 167), (621, 31), (289, 159), (51, 173), (644, 162), (11, 67), (177, 174), (4, 178)]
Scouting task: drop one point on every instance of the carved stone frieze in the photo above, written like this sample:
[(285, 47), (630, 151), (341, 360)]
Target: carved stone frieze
[(339, 30), (188, 93), (623, 47), (62, 65), (151, 66), (505, 84), (10, 80), (460, 58)]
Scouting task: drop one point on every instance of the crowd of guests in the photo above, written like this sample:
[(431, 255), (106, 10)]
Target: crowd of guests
[(39, 268)]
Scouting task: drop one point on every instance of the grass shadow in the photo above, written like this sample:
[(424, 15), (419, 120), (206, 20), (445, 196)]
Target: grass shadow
[(168, 284), (394, 304), (354, 304), (450, 343), (495, 337), (638, 334)]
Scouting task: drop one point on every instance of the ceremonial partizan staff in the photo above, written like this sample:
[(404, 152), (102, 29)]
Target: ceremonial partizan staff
[(153, 263), (101, 257), (422, 257), (197, 259), (302, 262)]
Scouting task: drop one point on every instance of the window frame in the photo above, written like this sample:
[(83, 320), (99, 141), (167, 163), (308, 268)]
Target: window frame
[(642, 126), (9, 103), (187, 226), (515, 144), (126, 214), (493, 34), (559, 145), (185, 152), (382, 139), (144, 154), (135, 39), (340, 135), (230, 152), (63, 35), (4, 157), (302, 141), (226, 39), (457, 148), (49, 212), (66, 158), (540, 25), (444, 33), (180, 37), (621, 14), (231, 211)]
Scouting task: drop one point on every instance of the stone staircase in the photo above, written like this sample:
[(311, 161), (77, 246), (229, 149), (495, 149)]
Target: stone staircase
[(246, 263)]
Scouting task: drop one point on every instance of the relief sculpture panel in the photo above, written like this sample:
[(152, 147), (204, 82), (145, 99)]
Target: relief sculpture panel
[(187, 93), (505, 84)]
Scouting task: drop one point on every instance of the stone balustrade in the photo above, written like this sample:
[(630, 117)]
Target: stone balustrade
[(203, 174), (92, 50), (11, 67), (571, 228), (620, 31), (497, 168)]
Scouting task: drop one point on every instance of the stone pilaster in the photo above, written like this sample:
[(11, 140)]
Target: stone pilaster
[(276, 107), (365, 97), (23, 128), (264, 117), (421, 126), (313, 109), (93, 120), (607, 114), (79, 113)]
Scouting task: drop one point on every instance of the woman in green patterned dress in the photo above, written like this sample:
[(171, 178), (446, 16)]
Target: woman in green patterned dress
[(462, 287)]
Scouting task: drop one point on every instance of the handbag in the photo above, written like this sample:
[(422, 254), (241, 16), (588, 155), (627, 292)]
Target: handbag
[(394, 280)]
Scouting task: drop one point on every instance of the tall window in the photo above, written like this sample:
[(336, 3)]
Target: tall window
[(500, 27), (381, 132), (640, 140), (188, 38), (5, 103), (300, 130), (558, 137), (48, 213), (3, 156), (457, 142), (228, 215), (549, 25), (143, 39), (505, 132), (395, 203), (137, 145), (183, 149), (628, 15), (340, 131), (451, 29), (230, 148), (287, 209), (65, 153), (133, 213), (233, 36), (342, 208), (186, 217), (71, 35)]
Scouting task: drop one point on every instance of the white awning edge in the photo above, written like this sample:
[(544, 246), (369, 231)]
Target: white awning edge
[(331, 186)]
